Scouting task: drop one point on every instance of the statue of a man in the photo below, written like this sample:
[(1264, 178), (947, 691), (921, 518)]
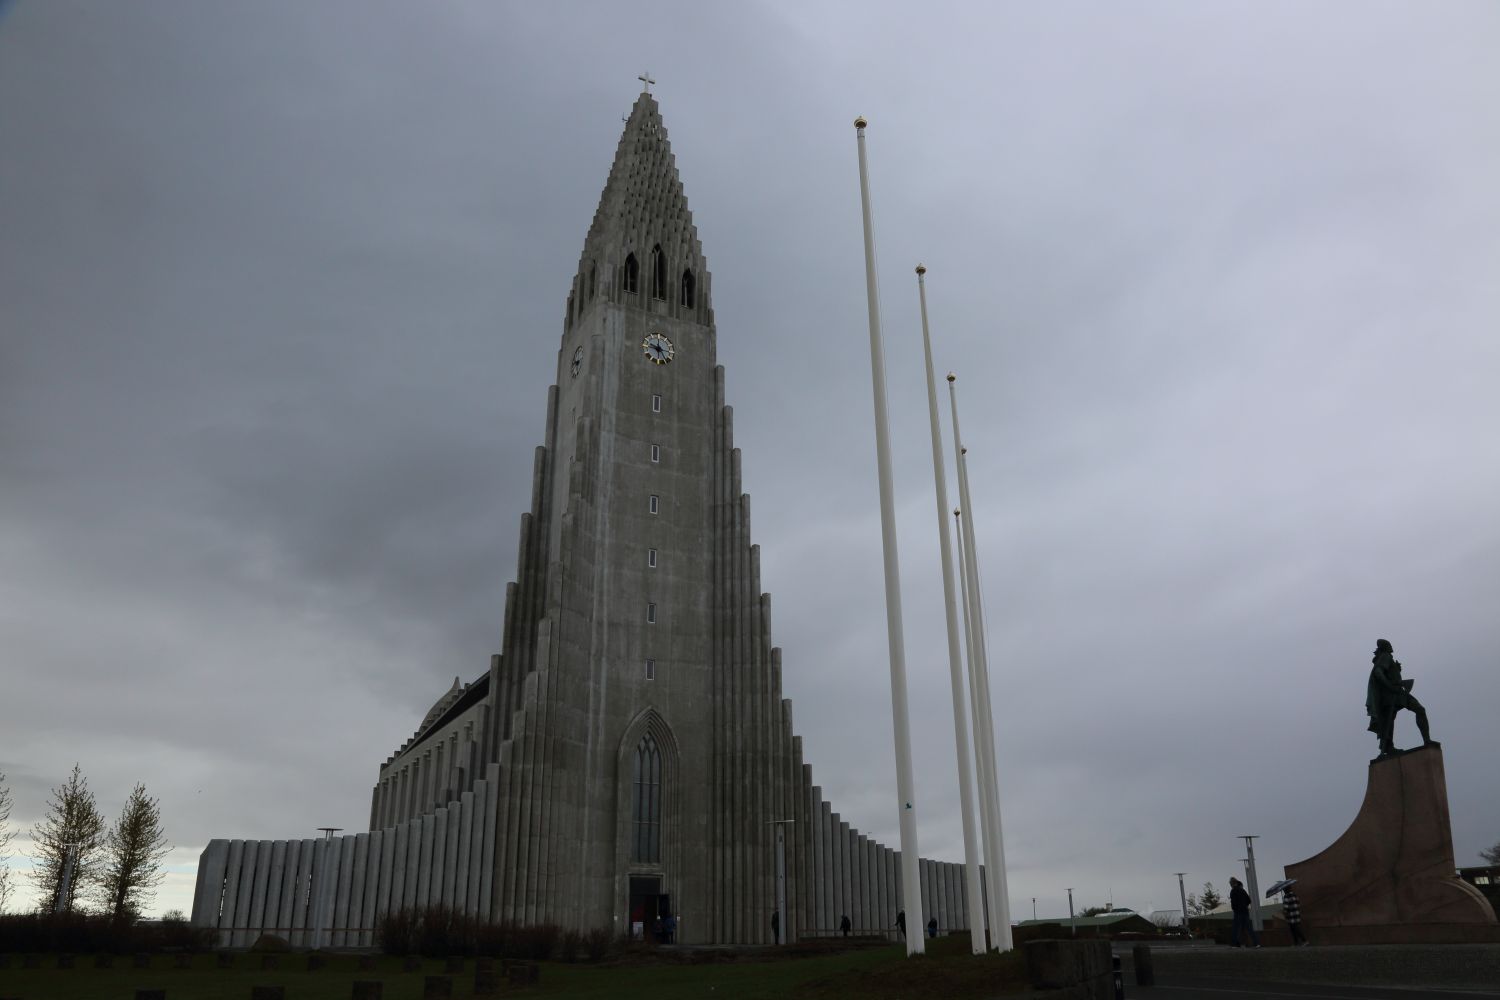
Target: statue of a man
[(1389, 694)]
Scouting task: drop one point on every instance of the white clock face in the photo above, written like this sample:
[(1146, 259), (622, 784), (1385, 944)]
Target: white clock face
[(657, 348), (577, 361)]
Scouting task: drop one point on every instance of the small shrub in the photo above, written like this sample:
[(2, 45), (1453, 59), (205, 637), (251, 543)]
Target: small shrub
[(569, 944), (597, 943)]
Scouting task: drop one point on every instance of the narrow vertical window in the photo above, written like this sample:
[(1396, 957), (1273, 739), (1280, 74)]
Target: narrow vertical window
[(655, 503), (650, 614), (688, 298), (656, 453), (655, 403), (632, 282), (646, 801), (658, 273), (650, 669), (651, 558), (593, 278)]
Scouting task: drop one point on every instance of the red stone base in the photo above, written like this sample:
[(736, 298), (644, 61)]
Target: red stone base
[(1390, 877)]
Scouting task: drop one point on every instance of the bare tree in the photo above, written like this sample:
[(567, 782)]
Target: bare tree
[(65, 844), (1491, 855), (133, 853), (5, 835)]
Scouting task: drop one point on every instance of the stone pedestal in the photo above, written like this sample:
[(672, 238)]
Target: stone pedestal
[(1390, 877)]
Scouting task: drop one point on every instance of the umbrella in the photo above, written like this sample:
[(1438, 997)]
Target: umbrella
[(1285, 883)]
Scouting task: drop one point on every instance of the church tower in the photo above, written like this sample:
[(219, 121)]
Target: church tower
[(629, 752)]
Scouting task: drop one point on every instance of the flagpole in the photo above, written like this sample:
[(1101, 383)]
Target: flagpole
[(955, 652), (984, 725), (911, 889), (992, 909)]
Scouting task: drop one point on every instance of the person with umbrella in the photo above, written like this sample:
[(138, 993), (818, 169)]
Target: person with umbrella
[(1291, 909)]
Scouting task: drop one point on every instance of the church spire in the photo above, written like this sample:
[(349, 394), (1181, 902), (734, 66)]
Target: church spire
[(642, 241)]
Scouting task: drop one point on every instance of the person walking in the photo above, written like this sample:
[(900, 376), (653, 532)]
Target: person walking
[(1291, 912), (1239, 903), (901, 923), (844, 924), (932, 927)]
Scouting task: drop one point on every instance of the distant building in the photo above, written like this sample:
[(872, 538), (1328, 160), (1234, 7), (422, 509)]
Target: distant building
[(1487, 880)]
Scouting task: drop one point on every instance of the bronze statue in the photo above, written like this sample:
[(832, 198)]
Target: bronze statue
[(1389, 694)]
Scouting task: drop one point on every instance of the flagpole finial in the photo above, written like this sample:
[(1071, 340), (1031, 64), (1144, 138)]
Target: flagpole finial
[(860, 122), (952, 377), (921, 269)]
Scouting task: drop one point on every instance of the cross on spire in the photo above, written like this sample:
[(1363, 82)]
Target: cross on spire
[(645, 78)]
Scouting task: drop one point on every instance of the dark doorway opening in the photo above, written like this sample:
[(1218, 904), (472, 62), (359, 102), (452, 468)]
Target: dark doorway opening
[(651, 915)]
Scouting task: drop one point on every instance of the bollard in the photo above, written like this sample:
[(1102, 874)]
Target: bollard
[(268, 993), (437, 988), (368, 989), (1145, 975), (150, 995), (1119, 979)]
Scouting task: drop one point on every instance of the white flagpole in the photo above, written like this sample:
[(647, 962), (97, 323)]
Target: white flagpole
[(911, 890), (992, 909), (955, 651), (984, 725)]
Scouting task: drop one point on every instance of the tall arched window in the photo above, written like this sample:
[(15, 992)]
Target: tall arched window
[(632, 275), (658, 273), (645, 813), (689, 290)]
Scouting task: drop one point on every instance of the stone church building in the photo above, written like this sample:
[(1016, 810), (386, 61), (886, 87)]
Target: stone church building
[(625, 752)]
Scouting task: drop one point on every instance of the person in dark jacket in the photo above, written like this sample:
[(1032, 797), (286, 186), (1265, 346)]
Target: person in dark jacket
[(901, 923), (844, 924), (1239, 902), (1291, 912), (932, 927)]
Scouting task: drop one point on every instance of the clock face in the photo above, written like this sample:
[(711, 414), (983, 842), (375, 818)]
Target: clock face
[(577, 361), (657, 348)]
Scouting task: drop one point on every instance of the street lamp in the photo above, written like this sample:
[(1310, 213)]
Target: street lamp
[(1033, 907), (1182, 893), (1072, 921)]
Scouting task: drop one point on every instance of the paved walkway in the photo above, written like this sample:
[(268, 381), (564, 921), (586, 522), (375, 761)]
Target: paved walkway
[(1220, 989)]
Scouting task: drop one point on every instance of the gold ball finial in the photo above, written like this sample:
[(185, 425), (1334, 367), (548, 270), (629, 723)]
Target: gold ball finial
[(860, 122), (952, 377), (921, 268)]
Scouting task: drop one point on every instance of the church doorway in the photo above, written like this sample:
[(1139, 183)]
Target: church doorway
[(651, 915)]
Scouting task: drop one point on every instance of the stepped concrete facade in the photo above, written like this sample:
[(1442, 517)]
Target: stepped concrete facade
[(628, 747)]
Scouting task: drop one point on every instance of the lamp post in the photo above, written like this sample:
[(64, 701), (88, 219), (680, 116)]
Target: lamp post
[(1033, 907), (1072, 921), (1253, 882), (1182, 893)]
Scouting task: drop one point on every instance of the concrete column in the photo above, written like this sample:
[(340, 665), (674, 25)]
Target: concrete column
[(287, 898), (463, 899), (208, 897), (367, 897), (275, 877), (384, 875), (410, 897), (487, 858), (399, 850), (352, 892), (301, 895), (244, 900)]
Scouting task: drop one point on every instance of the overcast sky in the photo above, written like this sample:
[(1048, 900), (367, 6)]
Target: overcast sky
[(281, 291)]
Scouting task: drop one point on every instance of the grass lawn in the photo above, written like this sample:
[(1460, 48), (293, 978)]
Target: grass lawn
[(879, 973)]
